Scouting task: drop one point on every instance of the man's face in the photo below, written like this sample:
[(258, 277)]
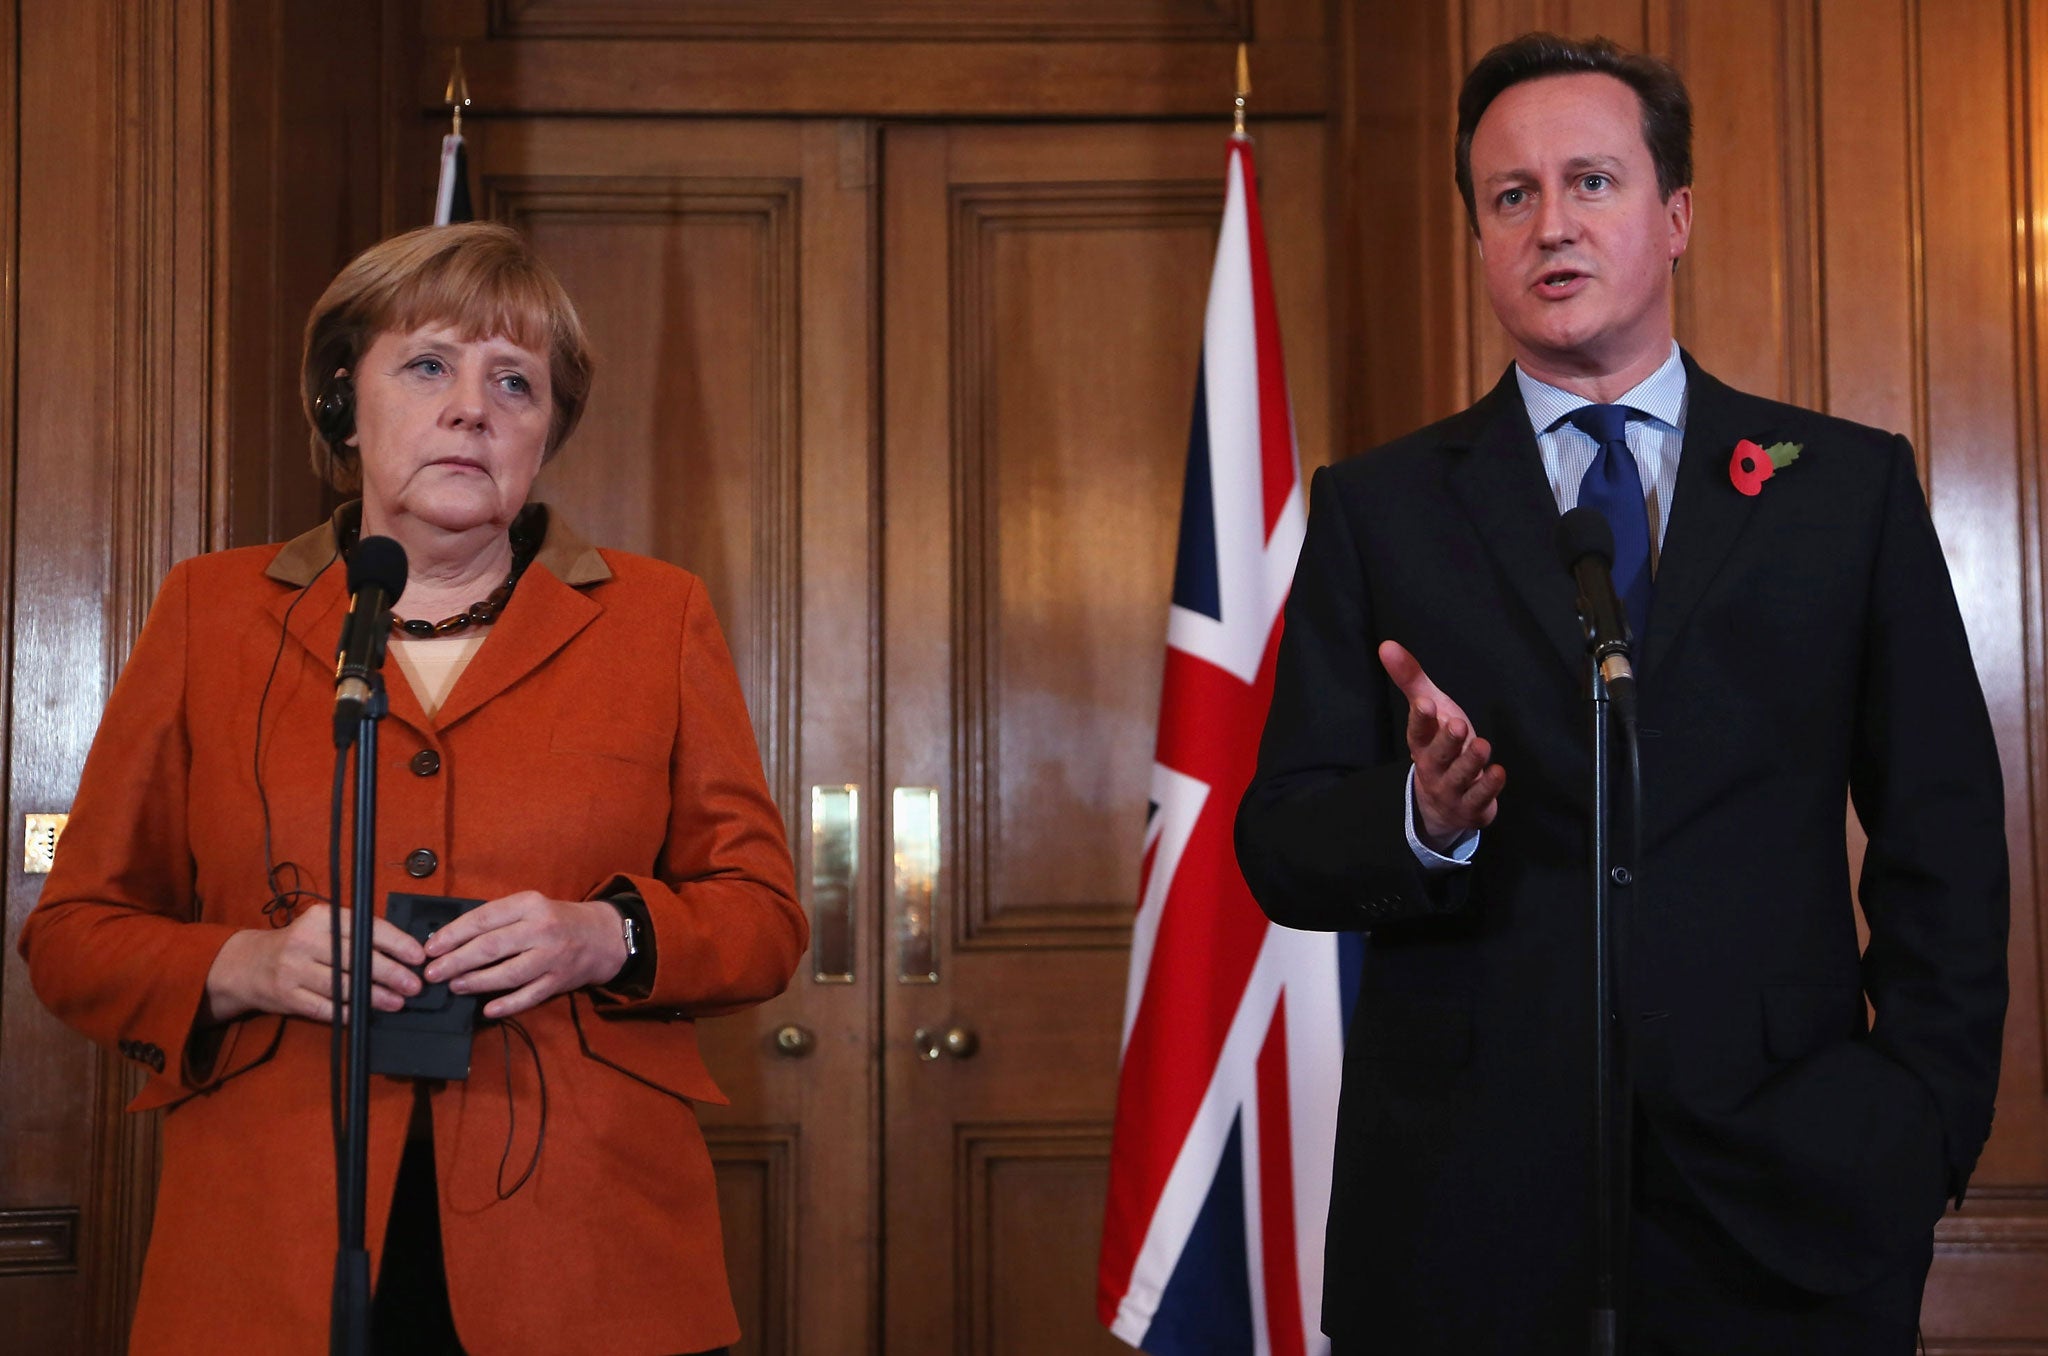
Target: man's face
[(1576, 242)]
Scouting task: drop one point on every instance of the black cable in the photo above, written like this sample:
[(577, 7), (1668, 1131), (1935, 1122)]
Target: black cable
[(540, 1137), (1624, 921), (282, 905), (284, 880), (335, 1056)]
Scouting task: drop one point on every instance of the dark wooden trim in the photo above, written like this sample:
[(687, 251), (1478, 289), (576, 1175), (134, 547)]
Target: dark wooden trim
[(771, 1153), (881, 79), (37, 1242), (813, 20)]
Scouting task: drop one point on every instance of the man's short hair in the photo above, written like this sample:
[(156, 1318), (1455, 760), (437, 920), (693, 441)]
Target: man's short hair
[(1667, 108)]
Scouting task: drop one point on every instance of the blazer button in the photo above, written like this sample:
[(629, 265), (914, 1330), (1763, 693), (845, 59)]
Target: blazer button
[(420, 863), (425, 763)]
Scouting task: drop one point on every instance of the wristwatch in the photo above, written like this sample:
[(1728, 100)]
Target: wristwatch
[(635, 978)]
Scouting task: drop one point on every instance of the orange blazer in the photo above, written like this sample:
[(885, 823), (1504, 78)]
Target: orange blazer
[(597, 741)]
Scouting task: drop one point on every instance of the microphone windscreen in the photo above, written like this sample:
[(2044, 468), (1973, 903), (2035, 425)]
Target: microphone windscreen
[(379, 561), (1584, 532)]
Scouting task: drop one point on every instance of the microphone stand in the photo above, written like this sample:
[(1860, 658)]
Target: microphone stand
[(349, 1331), (1612, 1128)]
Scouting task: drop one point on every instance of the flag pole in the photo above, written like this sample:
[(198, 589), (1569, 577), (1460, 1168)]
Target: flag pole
[(451, 193), (1244, 87), (456, 96)]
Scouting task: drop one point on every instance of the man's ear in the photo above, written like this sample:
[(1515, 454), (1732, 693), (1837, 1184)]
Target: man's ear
[(1678, 213)]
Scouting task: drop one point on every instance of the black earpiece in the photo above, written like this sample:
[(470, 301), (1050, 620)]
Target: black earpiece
[(334, 413)]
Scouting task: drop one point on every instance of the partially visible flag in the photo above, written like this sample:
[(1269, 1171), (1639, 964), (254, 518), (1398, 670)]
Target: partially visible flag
[(1219, 1174), (451, 197)]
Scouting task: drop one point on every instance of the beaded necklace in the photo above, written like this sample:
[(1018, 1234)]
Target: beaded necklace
[(525, 543)]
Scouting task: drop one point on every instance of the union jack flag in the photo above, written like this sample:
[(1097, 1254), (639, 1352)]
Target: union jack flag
[(1233, 1035)]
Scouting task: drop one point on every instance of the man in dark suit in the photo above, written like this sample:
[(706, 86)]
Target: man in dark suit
[(1425, 775)]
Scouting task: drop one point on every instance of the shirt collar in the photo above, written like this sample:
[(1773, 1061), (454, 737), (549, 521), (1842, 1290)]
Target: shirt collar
[(1661, 396), (563, 551)]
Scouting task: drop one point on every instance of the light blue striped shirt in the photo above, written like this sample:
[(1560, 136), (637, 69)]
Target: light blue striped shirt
[(1568, 452)]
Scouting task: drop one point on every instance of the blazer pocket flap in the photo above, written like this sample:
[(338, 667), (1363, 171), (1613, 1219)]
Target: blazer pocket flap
[(1415, 1030), (659, 1052), (228, 1052), (1800, 1019), (611, 739)]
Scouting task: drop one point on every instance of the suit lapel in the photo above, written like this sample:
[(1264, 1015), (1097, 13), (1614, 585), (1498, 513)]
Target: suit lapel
[(1497, 474), (314, 625), (1708, 513), (543, 616), (311, 615)]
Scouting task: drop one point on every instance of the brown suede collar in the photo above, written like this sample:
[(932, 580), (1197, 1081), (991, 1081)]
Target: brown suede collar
[(564, 552)]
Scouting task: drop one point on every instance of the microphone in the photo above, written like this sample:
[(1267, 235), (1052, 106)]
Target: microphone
[(1585, 546), (376, 577)]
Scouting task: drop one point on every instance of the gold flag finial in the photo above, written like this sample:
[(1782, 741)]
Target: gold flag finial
[(1244, 87), (456, 96)]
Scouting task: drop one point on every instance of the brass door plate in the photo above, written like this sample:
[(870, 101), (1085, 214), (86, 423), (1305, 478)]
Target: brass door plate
[(916, 816), (39, 842)]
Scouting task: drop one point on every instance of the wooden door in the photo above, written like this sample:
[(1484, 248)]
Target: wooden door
[(1043, 299), (1038, 343), (723, 269)]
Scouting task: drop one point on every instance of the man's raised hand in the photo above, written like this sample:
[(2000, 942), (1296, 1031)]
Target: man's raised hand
[(1457, 790)]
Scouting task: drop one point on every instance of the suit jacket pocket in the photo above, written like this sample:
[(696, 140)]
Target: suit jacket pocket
[(609, 739), (1406, 1030), (656, 1051), (1801, 1019)]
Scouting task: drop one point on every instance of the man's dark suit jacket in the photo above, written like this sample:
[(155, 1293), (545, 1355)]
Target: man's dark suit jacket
[(1802, 643)]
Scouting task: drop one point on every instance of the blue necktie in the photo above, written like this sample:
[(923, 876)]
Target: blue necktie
[(1615, 487)]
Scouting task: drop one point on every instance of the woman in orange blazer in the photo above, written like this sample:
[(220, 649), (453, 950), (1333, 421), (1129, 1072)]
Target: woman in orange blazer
[(576, 753)]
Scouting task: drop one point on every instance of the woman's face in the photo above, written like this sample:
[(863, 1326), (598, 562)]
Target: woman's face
[(450, 430)]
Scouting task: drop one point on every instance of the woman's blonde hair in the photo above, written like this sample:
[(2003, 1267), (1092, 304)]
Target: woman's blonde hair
[(480, 278)]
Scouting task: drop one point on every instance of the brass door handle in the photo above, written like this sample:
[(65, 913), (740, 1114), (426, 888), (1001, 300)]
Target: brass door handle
[(835, 881), (914, 811), (956, 1041), (794, 1041)]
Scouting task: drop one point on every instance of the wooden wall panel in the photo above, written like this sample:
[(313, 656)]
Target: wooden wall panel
[(303, 104), (1029, 1288), (1399, 325), (111, 281), (1746, 285), (757, 1205), (1983, 464), (1062, 699), (688, 288), (1871, 247), (1077, 341)]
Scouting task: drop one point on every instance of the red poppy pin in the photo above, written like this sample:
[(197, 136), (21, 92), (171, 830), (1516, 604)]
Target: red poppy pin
[(1751, 465)]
